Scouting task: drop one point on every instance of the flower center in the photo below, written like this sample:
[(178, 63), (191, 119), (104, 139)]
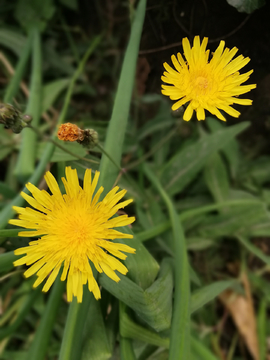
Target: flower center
[(78, 230), (201, 84)]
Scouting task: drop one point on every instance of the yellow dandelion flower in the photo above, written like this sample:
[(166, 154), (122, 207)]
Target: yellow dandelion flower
[(75, 228), (206, 85)]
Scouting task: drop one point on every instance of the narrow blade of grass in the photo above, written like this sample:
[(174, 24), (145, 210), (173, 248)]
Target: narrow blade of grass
[(117, 126), (253, 249), (159, 229), (180, 329), (41, 339), (14, 82), (199, 351), (27, 156), (207, 293)]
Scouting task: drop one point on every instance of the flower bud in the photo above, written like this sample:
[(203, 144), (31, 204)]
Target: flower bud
[(71, 132), (13, 118)]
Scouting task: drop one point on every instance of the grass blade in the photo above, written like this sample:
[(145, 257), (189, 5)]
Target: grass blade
[(26, 161), (207, 293), (14, 82), (40, 342), (117, 126), (180, 329)]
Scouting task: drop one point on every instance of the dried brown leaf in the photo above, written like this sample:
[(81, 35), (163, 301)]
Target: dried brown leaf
[(242, 311)]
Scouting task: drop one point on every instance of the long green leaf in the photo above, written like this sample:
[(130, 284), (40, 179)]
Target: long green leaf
[(23, 311), (71, 346), (216, 178), (41, 339), (200, 352), (159, 229), (14, 83), (96, 344), (26, 161), (231, 150), (13, 40), (130, 329), (6, 261), (152, 305), (207, 293), (180, 330), (253, 249), (117, 126)]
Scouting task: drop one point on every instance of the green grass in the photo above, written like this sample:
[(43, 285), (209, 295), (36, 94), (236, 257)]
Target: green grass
[(199, 202)]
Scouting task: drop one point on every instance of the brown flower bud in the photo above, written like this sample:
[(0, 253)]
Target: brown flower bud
[(70, 132)]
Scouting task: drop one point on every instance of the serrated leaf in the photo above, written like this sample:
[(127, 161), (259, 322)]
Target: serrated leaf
[(142, 267), (153, 305)]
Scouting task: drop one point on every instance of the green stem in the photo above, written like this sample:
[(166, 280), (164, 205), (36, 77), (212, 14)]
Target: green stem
[(109, 157), (180, 329)]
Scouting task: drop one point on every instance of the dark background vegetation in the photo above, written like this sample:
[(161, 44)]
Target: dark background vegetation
[(166, 23)]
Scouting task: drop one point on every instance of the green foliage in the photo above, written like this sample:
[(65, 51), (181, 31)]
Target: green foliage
[(201, 200), (31, 13)]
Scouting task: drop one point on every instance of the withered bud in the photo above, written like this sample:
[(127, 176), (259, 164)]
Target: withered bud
[(71, 132), (13, 118)]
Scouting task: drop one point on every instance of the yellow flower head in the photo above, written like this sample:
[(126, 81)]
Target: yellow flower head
[(75, 228), (206, 85)]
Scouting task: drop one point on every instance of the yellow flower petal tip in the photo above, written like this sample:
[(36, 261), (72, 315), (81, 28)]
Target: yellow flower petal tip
[(206, 85), (76, 229)]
